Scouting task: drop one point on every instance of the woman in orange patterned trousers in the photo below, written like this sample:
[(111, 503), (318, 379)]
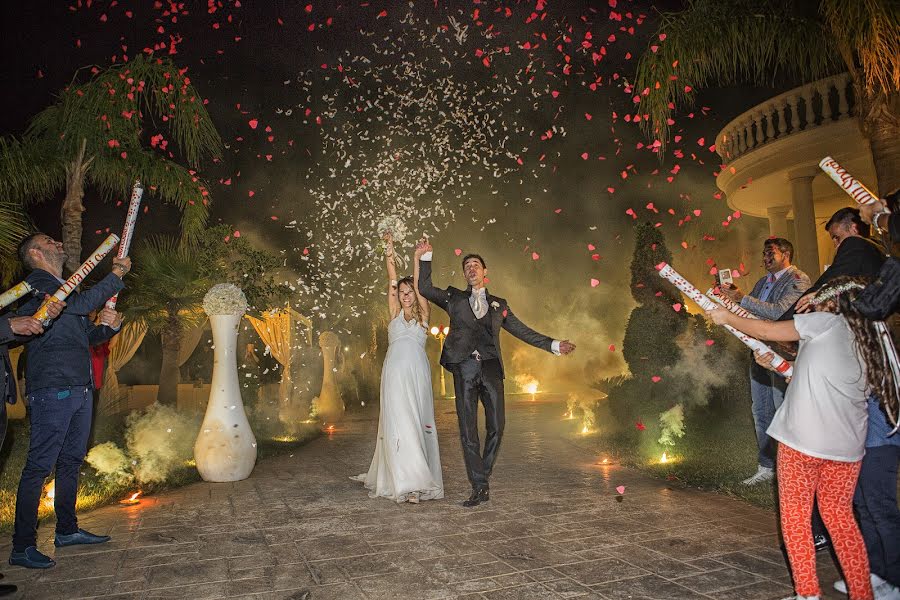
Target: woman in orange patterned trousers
[(821, 426)]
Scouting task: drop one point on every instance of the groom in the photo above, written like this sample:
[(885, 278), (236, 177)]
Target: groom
[(472, 354)]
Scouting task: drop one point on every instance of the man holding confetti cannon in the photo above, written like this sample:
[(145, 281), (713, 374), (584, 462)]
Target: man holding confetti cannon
[(58, 385), (14, 330)]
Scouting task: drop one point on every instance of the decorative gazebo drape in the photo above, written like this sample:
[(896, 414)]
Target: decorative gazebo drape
[(122, 347), (276, 330), (189, 341)]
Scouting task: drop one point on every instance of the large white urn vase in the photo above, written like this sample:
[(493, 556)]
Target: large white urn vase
[(225, 449)]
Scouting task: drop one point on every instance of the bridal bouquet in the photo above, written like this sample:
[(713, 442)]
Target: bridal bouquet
[(399, 232), (225, 299)]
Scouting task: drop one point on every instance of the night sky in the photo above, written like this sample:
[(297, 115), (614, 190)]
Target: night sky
[(505, 128)]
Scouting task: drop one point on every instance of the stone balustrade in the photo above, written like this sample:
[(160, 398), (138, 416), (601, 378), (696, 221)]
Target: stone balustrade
[(800, 109)]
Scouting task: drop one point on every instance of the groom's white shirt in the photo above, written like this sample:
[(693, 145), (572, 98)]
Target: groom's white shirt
[(473, 302)]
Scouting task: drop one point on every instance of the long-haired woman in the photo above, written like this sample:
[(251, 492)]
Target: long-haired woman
[(821, 426), (406, 466)]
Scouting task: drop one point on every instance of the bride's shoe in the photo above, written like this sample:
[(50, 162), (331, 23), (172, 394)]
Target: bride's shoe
[(413, 498)]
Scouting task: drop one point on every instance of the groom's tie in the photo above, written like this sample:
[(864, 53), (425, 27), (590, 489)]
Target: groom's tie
[(478, 302)]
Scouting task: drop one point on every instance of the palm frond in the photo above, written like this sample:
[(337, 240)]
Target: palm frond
[(868, 35), (725, 43), (167, 284), (28, 170), (163, 179), (124, 103)]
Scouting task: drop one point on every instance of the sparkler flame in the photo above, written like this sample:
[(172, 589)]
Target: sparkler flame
[(133, 499), (664, 458), (49, 493)]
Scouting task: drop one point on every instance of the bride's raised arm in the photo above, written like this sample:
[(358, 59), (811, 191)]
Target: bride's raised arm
[(424, 306), (393, 298)]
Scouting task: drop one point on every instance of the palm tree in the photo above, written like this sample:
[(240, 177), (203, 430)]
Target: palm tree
[(22, 177), (725, 42), (166, 294), (116, 128)]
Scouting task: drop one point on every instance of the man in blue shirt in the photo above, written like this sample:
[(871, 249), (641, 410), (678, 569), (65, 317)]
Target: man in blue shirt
[(771, 296)]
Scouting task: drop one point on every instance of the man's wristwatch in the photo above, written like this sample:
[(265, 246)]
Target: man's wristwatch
[(121, 269)]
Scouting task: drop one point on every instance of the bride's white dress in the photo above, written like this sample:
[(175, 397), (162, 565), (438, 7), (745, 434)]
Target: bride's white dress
[(407, 460)]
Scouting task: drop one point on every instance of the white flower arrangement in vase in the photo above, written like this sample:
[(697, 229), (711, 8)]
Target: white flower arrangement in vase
[(225, 299)]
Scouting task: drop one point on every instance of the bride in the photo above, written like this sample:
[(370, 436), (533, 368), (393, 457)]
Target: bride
[(407, 465)]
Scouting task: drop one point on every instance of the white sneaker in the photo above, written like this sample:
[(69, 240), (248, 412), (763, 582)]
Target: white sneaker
[(886, 591), (882, 589), (762, 474)]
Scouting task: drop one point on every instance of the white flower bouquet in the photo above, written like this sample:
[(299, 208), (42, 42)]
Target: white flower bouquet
[(399, 232), (225, 299)]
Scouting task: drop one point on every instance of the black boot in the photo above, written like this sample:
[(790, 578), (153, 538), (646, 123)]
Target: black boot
[(7, 589), (478, 496)]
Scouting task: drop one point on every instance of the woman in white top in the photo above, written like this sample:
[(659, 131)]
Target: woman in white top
[(406, 466), (821, 426)]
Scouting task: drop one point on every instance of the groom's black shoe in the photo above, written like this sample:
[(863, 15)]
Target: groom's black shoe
[(477, 497)]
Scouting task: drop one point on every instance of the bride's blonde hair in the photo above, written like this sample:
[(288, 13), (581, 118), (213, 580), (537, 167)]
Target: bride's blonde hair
[(408, 280)]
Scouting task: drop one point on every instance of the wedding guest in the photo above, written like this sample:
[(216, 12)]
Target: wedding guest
[(769, 298), (13, 330), (821, 427), (856, 256), (58, 385)]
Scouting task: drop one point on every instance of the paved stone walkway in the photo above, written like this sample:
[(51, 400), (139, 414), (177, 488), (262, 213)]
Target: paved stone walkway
[(555, 528)]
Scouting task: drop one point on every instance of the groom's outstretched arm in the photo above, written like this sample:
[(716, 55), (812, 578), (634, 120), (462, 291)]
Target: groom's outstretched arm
[(439, 296), (512, 324)]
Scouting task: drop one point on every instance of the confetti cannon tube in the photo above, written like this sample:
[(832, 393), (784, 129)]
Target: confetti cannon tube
[(78, 276), (731, 306), (780, 365), (131, 216), (14, 293), (848, 183)]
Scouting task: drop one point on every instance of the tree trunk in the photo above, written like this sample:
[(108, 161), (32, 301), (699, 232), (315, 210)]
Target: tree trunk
[(169, 375), (880, 119), (72, 207)]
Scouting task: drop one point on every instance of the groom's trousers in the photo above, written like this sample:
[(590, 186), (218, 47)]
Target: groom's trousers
[(475, 380)]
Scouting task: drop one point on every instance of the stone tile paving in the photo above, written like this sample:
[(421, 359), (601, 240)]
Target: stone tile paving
[(555, 528)]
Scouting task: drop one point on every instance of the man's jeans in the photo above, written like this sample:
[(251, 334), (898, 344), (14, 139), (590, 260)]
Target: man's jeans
[(876, 506), (767, 394), (60, 425)]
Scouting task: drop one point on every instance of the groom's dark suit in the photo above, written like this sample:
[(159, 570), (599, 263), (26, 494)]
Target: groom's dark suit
[(472, 354)]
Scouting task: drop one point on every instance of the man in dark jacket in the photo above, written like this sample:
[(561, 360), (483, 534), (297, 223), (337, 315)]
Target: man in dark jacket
[(58, 384), (14, 330), (472, 353), (856, 255)]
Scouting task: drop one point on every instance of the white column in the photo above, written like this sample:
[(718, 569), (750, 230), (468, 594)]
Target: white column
[(778, 225), (806, 244)]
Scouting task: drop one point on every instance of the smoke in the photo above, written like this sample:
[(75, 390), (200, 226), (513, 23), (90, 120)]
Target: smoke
[(159, 441), (671, 424), (110, 461), (701, 369)]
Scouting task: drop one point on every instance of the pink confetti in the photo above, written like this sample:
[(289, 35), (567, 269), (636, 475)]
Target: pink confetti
[(595, 283), (620, 489), (612, 347), (253, 123), (710, 342), (677, 306), (457, 251), (535, 256), (656, 379)]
